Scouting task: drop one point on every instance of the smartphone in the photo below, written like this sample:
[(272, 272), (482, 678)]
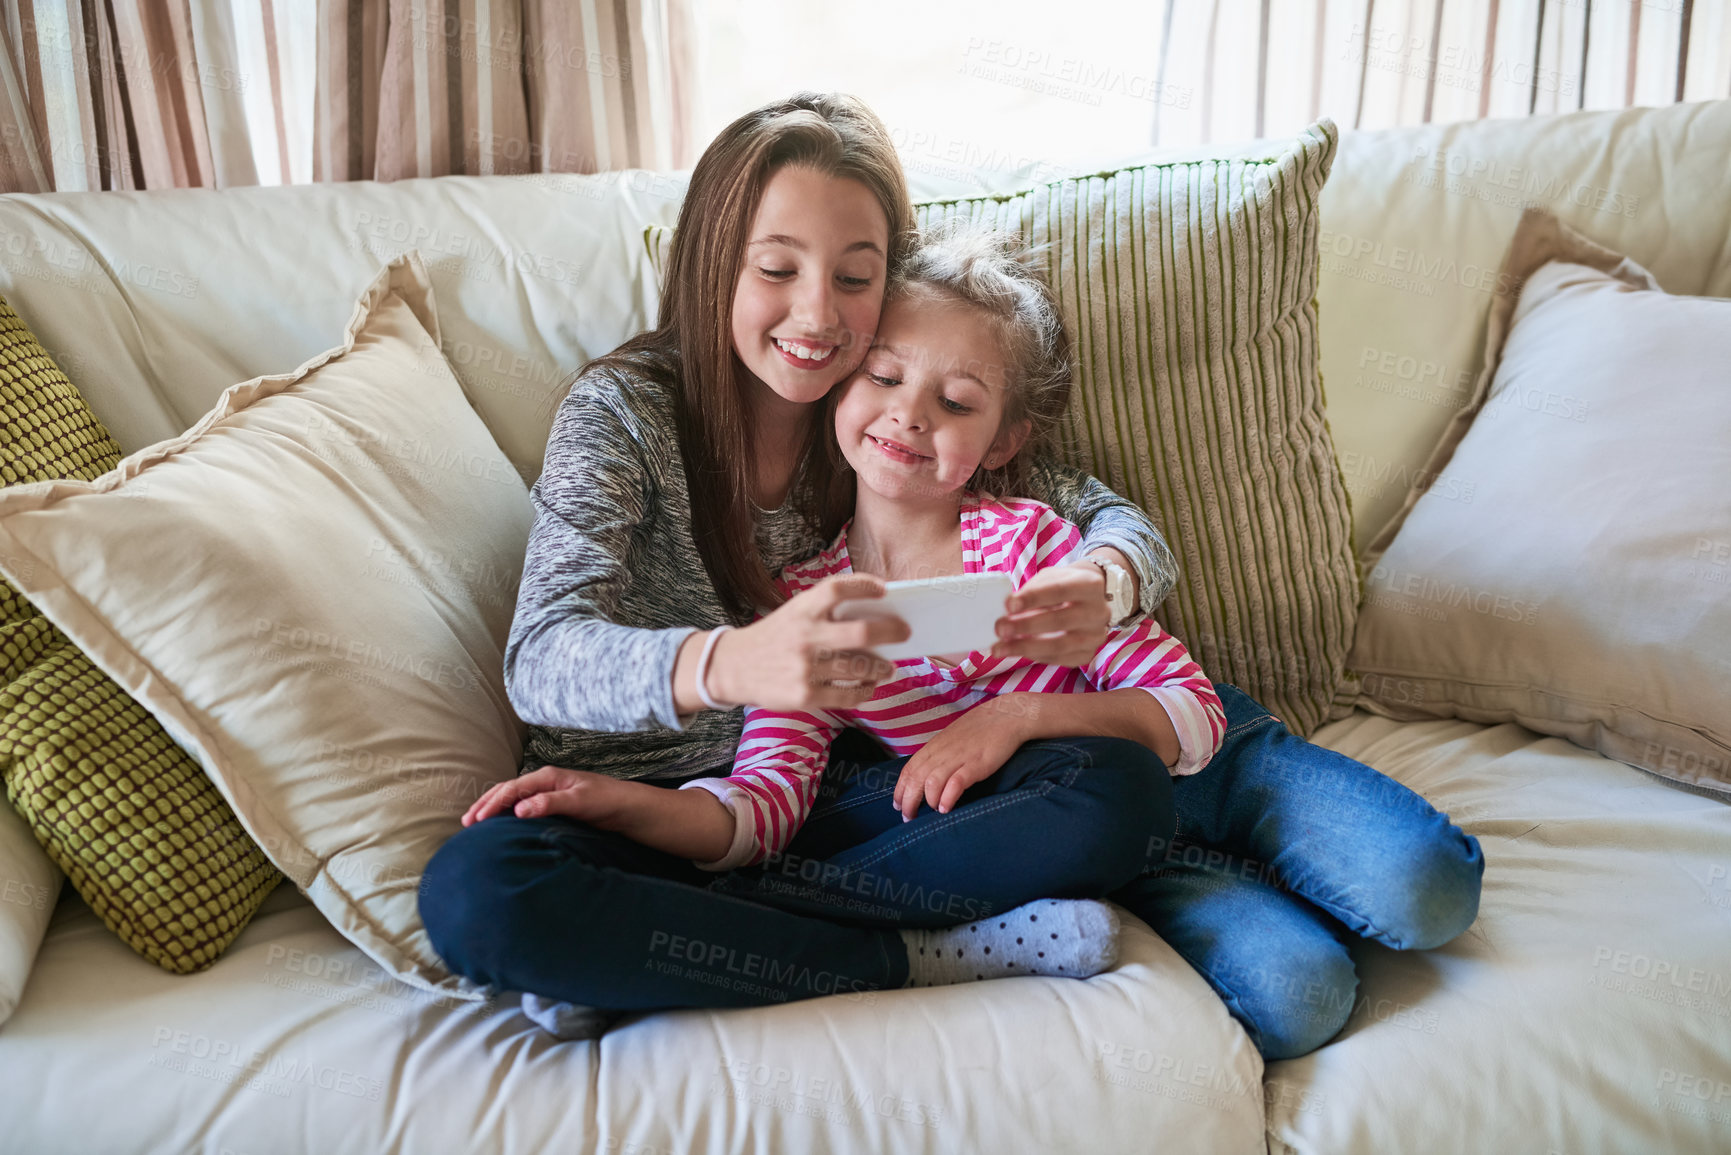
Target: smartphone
[(950, 617)]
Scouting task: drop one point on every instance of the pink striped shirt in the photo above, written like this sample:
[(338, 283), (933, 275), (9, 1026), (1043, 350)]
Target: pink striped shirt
[(782, 754)]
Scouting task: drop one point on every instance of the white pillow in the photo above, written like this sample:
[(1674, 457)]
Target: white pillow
[(1567, 562), (311, 590), (29, 884)]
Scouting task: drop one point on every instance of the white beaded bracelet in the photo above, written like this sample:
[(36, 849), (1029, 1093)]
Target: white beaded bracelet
[(703, 668)]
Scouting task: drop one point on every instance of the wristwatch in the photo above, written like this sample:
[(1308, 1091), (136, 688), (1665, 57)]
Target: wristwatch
[(1120, 590)]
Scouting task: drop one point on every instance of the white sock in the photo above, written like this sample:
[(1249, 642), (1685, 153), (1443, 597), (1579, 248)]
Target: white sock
[(1057, 937), (566, 1020)]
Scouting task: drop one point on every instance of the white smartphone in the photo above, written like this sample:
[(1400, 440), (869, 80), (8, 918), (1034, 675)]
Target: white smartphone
[(948, 616)]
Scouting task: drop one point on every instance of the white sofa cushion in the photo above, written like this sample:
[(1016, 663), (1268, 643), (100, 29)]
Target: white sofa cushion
[(1589, 1006), (294, 1042), (311, 590), (1415, 223), (155, 302)]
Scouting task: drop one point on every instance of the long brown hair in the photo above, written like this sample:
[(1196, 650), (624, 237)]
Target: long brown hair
[(830, 133)]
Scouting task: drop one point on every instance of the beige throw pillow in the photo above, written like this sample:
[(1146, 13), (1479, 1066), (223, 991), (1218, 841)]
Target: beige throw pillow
[(311, 590), (1566, 563)]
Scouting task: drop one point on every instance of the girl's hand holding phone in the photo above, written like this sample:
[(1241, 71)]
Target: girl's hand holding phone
[(1059, 616), (796, 658), (970, 749)]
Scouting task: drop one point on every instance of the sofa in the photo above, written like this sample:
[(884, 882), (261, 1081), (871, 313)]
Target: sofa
[(1587, 1009)]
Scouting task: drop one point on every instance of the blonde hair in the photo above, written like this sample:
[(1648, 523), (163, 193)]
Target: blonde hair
[(993, 271)]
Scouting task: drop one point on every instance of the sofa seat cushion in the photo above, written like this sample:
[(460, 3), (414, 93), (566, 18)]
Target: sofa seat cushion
[(1589, 1006), (296, 1041)]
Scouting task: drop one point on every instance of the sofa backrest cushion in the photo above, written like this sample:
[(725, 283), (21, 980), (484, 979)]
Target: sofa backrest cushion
[(156, 302), (1415, 224)]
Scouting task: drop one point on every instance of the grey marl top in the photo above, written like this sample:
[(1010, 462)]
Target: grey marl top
[(613, 583)]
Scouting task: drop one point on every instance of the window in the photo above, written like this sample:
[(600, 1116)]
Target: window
[(1005, 87)]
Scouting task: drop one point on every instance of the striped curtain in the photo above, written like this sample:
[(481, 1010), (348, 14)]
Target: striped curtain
[(131, 94), (128, 94), (1234, 69), (428, 87)]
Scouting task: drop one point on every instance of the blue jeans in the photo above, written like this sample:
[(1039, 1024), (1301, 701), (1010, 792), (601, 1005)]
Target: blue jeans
[(567, 911), (1284, 852)]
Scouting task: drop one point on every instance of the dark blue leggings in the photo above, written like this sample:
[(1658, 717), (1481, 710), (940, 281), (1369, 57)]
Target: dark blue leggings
[(557, 907)]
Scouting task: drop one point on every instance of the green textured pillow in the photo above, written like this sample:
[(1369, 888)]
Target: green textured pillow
[(130, 817), (1189, 289)]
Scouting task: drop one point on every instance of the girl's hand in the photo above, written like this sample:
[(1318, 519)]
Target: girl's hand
[(1059, 616), (686, 823), (796, 658), (970, 749), (582, 794)]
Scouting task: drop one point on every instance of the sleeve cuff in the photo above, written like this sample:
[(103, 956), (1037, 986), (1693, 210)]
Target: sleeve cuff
[(744, 846), (1196, 743), (666, 711)]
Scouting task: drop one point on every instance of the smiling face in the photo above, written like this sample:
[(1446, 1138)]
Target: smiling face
[(927, 406), (812, 283)]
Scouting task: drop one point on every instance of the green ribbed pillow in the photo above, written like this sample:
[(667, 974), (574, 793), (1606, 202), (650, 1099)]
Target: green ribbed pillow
[(138, 828), (1189, 289)]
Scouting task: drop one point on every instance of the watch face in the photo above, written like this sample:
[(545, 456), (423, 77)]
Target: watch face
[(1118, 592)]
